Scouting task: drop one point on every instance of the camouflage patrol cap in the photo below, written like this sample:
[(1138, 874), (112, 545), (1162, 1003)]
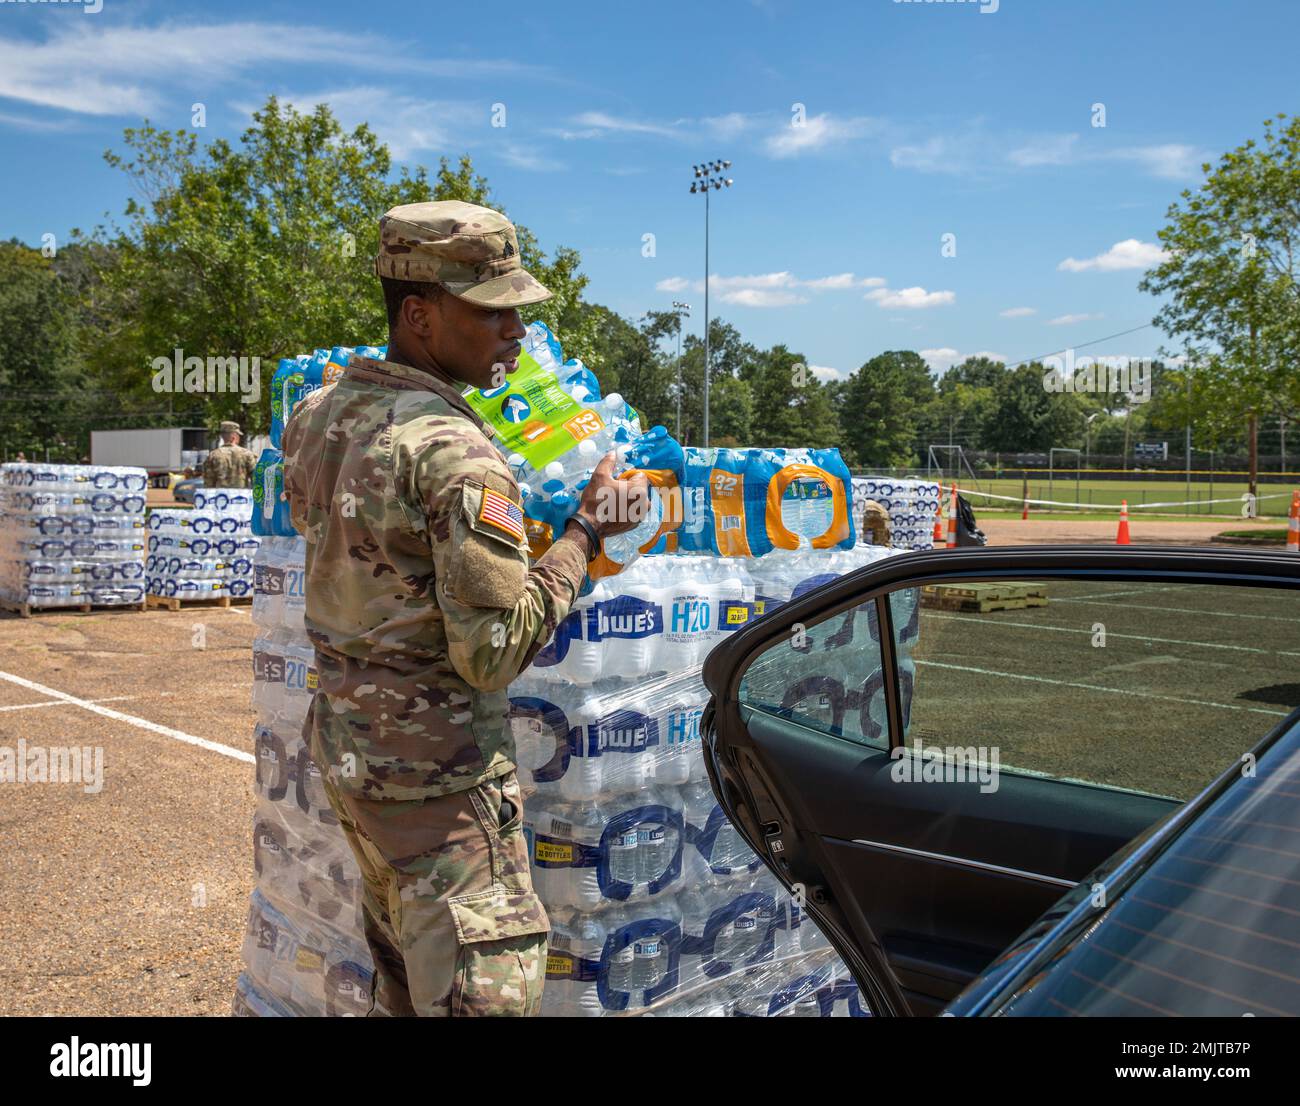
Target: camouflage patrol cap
[(471, 251), (229, 427)]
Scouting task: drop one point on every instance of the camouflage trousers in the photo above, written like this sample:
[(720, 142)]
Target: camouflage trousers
[(449, 911)]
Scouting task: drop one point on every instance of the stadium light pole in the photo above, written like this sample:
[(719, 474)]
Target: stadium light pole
[(707, 179), (680, 309)]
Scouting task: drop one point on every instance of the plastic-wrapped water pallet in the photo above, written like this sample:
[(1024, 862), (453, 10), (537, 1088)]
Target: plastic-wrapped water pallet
[(205, 553), (912, 505), (304, 953), (71, 536)]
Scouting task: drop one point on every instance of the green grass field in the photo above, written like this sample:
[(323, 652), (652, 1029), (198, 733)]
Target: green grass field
[(1104, 496)]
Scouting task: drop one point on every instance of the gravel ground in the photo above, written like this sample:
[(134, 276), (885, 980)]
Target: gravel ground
[(133, 900)]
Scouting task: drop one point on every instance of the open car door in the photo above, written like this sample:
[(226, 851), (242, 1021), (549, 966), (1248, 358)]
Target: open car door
[(930, 751)]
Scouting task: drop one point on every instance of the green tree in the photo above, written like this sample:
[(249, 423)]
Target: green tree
[(884, 402), (1027, 417), (1230, 282), (263, 248), (43, 398)]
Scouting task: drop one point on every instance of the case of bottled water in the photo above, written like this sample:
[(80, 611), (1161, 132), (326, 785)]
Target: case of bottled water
[(72, 534)]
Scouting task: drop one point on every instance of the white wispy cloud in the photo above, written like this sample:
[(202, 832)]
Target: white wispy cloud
[(841, 281), (406, 124), (759, 281), (977, 150), (761, 297), (1171, 161), (1128, 254), (825, 373), (1066, 320), (96, 68), (528, 157), (768, 283), (1054, 149), (818, 132), (945, 357), (595, 124), (913, 298), (1018, 312)]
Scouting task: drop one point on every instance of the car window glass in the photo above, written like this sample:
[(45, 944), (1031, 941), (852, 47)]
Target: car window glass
[(1150, 687), (825, 675)]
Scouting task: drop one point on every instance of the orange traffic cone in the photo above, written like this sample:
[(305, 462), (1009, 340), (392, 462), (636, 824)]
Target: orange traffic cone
[(1122, 537), (937, 539), (952, 518), (1293, 525)]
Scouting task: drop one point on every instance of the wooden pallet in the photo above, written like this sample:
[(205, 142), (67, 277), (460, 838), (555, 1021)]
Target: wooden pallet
[(983, 598), (176, 603), (27, 610)]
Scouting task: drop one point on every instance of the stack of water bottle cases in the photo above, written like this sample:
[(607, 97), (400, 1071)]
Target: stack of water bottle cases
[(912, 505), (656, 905), (71, 534), (204, 553)]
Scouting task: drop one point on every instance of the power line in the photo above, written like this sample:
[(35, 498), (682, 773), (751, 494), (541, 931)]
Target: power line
[(1080, 345)]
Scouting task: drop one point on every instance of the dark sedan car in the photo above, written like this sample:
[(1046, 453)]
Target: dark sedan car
[(932, 750)]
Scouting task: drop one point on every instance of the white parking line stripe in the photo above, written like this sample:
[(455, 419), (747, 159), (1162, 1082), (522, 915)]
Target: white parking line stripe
[(1110, 690), (1140, 591), (130, 719), (61, 703), (1112, 634)]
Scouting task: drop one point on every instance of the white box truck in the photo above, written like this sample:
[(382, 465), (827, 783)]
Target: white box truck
[(157, 450)]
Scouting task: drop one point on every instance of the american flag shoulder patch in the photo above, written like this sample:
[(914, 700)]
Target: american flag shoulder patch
[(498, 511)]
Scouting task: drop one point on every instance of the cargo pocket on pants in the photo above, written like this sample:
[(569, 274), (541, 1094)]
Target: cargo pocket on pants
[(499, 965)]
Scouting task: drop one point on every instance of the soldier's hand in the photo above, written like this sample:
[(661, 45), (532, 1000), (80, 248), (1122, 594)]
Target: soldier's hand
[(611, 505)]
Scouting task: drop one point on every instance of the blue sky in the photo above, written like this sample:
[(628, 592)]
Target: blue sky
[(919, 120)]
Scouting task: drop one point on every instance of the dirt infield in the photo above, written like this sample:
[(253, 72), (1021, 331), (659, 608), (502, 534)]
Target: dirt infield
[(1142, 531), (133, 899)]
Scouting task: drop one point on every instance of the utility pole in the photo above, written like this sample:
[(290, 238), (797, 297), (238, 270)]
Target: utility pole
[(707, 179), (680, 309)]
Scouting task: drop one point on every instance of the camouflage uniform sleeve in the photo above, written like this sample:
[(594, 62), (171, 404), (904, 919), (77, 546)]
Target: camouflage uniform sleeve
[(249, 459), (498, 613)]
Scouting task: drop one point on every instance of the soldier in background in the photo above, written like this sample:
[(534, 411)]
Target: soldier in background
[(422, 606), (230, 465), (875, 520)]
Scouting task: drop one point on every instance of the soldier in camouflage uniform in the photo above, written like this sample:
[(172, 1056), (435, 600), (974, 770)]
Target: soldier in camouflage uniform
[(875, 519), (422, 607), (230, 465)]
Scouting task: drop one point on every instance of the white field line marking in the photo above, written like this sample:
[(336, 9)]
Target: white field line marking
[(130, 719), (1121, 594), (1112, 633), (1184, 610), (61, 703), (1110, 690)]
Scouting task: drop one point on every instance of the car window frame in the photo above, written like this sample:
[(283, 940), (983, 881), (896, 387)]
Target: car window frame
[(1136, 564)]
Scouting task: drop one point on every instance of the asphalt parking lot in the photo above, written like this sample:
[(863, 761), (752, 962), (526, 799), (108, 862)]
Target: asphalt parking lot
[(130, 899)]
